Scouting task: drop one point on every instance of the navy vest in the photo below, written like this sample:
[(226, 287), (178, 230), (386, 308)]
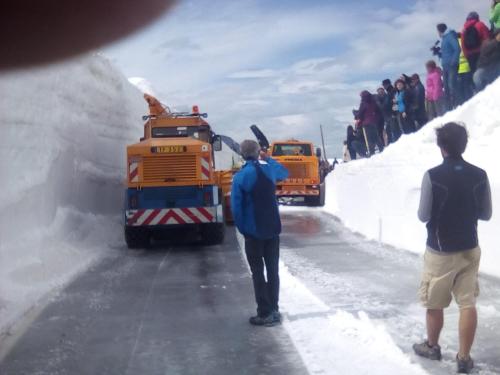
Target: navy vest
[(457, 189), (266, 212)]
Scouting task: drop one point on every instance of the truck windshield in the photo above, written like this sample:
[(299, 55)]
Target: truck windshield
[(197, 132), (292, 150)]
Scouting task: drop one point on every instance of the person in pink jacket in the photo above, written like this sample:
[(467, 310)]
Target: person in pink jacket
[(434, 91)]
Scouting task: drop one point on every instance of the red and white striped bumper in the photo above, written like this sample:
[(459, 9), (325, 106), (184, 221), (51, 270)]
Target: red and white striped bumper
[(174, 216), (286, 193)]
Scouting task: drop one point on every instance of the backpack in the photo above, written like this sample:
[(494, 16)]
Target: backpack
[(472, 38)]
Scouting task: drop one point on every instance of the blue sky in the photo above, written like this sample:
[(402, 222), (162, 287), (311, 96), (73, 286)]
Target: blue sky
[(285, 65)]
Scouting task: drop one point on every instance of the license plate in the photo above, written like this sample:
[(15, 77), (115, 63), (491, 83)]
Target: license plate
[(168, 149)]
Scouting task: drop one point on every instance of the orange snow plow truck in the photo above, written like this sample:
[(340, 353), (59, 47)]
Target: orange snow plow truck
[(307, 171), (172, 181)]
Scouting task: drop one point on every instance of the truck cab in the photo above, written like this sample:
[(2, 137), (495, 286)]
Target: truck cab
[(171, 178), (306, 180)]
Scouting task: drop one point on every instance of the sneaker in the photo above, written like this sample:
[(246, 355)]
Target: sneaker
[(427, 351), (464, 366), (267, 321)]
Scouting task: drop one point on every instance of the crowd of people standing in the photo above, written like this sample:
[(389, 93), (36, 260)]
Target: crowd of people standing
[(469, 61)]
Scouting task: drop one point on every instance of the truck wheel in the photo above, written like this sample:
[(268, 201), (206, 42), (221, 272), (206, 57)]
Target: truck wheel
[(317, 200), (137, 238), (213, 234), (322, 195)]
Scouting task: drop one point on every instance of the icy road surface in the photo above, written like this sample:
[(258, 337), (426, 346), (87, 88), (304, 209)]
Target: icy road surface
[(350, 307), (354, 278)]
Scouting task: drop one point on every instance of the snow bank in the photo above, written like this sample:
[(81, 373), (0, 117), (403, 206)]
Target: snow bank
[(379, 197), (62, 160)]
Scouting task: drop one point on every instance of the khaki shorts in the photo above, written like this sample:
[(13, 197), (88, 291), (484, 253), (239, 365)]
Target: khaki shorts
[(450, 274)]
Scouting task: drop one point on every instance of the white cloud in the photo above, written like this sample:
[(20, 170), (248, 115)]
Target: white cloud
[(235, 59), (250, 74)]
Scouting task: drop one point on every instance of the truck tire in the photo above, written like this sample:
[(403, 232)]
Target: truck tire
[(322, 195), (137, 238), (317, 200), (213, 234)]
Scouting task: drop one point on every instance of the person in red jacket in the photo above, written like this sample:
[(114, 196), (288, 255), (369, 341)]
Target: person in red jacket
[(474, 34), (367, 118)]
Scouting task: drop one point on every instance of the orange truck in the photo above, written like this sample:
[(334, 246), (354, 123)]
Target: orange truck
[(307, 171), (172, 181)]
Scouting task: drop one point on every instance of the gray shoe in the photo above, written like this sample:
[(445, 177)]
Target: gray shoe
[(464, 366), (427, 351)]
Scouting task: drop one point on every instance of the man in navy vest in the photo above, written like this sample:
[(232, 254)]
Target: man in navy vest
[(455, 195), (256, 215)]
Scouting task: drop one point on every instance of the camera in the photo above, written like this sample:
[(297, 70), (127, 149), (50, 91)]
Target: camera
[(436, 49)]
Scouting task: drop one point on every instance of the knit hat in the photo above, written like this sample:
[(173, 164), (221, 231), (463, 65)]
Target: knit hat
[(473, 16), (442, 27)]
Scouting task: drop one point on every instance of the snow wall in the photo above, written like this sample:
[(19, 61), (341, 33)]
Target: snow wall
[(379, 197), (63, 134), (63, 131)]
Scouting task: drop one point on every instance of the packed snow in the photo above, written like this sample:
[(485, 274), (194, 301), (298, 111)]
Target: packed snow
[(379, 197)]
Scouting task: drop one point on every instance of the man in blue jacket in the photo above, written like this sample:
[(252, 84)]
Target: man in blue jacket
[(256, 215), (450, 50), (455, 195)]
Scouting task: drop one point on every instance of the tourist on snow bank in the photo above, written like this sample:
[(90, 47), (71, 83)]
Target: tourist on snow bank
[(256, 215), (455, 195), (450, 56), (402, 103), (351, 137), (393, 130), (384, 105), (434, 91), (495, 15), (418, 93), (489, 63), (474, 34), (368, 116)]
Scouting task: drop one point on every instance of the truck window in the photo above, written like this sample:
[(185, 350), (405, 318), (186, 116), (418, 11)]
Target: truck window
[(197, 132), (292, 150)]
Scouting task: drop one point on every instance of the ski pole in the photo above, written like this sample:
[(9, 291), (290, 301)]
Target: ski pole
[(368, 153)]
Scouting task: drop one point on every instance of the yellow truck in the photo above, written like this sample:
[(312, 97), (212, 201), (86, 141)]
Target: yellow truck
[(172, 181), (307, 172)]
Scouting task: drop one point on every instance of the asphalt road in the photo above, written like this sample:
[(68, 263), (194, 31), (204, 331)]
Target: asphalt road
[(176, 310), (184, 309)]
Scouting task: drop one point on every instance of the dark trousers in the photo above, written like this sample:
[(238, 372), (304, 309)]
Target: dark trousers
[(473, 59), (450, 75), (266, 253), (407, 123), (395, 129), (373, 138), (465, 87)]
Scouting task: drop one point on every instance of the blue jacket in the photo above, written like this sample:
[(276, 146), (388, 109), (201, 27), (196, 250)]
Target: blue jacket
[(401, 101), (450, 49), (246, 208)]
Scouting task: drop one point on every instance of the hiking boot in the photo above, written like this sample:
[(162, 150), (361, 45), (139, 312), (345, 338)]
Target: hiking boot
[(427, 351), (277, 318), (267, 321), (464, 366)]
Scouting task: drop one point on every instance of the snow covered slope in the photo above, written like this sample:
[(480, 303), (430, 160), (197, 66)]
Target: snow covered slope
[(379, 197), (63, 131)]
